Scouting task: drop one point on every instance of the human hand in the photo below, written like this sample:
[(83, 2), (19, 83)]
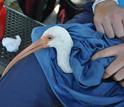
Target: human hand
[(116, 68), (109, 19)]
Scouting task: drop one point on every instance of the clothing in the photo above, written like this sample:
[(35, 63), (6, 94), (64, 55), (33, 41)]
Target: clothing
[(99, 1), (25, 85), (83, 17), (121, 3)]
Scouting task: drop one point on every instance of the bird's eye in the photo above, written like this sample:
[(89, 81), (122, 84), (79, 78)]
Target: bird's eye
[(50, 37)]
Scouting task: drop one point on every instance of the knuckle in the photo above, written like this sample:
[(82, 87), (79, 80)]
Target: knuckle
[(115, 16), (97, 20), (106, 18)]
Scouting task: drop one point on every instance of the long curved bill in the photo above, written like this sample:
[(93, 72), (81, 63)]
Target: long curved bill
[(39, 44)]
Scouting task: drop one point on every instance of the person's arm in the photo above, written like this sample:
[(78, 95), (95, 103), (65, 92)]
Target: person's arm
[(109, 18)]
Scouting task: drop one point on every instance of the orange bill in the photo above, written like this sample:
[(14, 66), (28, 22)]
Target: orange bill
[(39, 44)]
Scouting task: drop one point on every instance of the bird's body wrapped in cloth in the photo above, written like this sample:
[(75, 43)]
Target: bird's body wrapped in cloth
[(85, 86)]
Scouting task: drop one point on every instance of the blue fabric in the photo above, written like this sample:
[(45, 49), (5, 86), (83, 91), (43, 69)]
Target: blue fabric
[(85, 87), (26, 86), (121, 3), (84, 17)]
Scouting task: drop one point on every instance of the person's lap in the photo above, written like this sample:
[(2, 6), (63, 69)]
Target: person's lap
[(26, 86)]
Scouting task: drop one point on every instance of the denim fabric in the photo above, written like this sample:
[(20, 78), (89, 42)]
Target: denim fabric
[(84, 87), (25, 85)]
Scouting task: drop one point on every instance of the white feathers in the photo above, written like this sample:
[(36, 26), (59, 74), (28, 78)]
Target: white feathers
[(63, 43), (11, 44)]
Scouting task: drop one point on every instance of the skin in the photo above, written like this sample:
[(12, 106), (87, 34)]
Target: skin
[(109, 19), (116, 68)]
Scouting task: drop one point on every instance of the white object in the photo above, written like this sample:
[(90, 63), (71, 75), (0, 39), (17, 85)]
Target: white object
[(11, 44), (63, 43), (99, 1)]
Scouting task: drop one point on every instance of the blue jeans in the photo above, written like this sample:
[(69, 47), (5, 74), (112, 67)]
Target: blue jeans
[(26, 86)]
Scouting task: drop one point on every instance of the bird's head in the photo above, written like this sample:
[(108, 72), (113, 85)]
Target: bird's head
[(55, 36)]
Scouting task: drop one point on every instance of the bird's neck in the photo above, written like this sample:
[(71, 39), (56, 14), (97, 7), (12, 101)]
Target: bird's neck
[(63, 55)]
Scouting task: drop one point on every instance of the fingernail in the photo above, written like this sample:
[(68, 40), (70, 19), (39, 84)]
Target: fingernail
[(106, 75), (122, 83), (94, 57)]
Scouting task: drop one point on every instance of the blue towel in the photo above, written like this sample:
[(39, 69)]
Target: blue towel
[(85, 87)]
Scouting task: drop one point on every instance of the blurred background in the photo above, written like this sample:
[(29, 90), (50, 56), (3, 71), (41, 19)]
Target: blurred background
[(48, 11)]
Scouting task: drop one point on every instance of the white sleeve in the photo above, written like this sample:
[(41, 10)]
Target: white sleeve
[(99, 1)]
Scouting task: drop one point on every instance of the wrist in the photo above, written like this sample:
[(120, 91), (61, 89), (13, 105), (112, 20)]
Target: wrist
[(104, 2)]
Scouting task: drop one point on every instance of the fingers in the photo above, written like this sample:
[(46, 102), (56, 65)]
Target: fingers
[(99, 26), (108, 28), (114, 67), (108, 19), (104, 26), (111, 51), (119, 76), (118, 27)]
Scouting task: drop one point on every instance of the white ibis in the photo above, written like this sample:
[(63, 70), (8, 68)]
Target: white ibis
[(56, 37)]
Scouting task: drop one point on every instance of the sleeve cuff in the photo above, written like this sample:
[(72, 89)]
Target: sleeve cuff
[(99, 1)]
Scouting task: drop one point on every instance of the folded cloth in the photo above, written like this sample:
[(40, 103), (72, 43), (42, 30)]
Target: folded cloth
[(84, 87)]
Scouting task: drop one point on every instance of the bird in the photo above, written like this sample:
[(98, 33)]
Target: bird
[(54, 37)]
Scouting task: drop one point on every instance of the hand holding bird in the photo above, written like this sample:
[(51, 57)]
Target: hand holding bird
[(116, 68)]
